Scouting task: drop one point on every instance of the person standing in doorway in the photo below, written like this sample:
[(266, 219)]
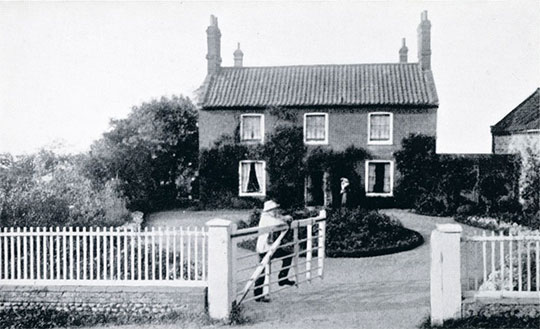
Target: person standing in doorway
[(271, 216), (344, 190)]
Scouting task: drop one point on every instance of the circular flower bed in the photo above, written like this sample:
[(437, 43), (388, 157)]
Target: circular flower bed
[(362, 233), (356, 233)]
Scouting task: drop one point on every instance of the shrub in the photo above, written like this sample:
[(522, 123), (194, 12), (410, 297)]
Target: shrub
[(218, 174), (284, 154), (46, 189), (358, 232), (439, 184), (531, 186)]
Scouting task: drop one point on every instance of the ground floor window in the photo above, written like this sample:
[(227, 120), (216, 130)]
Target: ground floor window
[(252, 178), (379, 178)]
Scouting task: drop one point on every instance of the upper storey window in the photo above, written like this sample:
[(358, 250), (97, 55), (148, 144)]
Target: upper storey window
[(316, 128), (380, 128), (252, 127)]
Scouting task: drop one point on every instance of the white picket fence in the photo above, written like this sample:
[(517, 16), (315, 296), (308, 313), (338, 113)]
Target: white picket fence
[(104, 256), (501, 266), (489, 267)]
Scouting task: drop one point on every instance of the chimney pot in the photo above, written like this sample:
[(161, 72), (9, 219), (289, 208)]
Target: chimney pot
[(403, 51), (238, 57)]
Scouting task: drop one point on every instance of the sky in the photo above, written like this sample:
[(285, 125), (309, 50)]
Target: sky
[(67, 68)]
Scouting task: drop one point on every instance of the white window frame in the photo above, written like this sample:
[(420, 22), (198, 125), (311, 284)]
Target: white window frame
[(262, 185), (261, 140), (390, 140), (366, 178), (323, 142)]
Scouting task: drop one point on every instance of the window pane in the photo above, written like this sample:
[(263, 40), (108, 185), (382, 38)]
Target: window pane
[(315, 127), (244, 177), (386, 186), (371, 178), (251, 127), (379, 178), (253, 183), (252, 176), (379, 127)]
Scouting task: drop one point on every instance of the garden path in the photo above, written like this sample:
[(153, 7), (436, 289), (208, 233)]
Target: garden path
[(387, 292)]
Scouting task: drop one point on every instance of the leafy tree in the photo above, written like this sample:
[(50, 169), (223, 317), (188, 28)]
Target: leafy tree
[(152, 153)]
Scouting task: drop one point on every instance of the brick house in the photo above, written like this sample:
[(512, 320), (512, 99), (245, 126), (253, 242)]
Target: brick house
[(369, 106), (519, 129)]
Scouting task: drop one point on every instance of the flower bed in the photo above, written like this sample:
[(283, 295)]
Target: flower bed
[(490, 223), (362, 233), (354, 233)]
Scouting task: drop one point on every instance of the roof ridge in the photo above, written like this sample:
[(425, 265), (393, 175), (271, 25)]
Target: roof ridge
[(316, 65)]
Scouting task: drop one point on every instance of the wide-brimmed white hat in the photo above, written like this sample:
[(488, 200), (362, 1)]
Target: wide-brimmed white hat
[(269, 205)]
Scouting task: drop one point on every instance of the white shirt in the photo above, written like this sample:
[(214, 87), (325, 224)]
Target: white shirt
[(267, 219)]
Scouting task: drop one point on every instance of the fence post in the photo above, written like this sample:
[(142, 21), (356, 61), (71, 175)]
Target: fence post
[(220, 268), (445, 273)]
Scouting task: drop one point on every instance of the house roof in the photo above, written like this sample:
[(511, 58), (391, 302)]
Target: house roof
[(526, 116), (320, 85)]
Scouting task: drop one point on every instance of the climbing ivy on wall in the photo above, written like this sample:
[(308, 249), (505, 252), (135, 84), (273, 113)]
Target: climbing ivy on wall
[(288, 161)]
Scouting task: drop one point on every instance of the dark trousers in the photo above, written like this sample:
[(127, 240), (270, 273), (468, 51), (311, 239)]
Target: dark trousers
[(283, 273)]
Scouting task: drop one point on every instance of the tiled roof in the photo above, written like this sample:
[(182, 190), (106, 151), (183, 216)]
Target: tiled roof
[(526, 116), (320, 85)]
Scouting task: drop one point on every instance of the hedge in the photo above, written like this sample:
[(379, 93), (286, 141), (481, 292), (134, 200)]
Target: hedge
[(438, 184)]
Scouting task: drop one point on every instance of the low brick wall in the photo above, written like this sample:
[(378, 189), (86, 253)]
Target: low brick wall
[(506, 306), (102, 299)]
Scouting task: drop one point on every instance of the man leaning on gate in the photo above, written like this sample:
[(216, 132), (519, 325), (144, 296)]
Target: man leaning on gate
[(271, 216)]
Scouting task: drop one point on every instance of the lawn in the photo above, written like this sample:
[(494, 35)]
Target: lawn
[(194, 218)]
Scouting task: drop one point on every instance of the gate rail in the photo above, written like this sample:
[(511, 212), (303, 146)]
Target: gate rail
[(313, 241)]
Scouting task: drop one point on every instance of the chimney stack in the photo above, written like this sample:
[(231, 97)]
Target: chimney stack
[(238, 57), (214, 46), (424, 42), (403, 52)]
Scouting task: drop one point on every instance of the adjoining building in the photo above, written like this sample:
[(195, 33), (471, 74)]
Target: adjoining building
[(519, 129)]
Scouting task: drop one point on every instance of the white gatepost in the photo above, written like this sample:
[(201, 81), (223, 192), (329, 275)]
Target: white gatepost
[(445, 273), (220, 268)]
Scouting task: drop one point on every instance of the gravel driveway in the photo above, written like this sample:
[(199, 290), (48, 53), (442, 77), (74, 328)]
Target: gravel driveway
[(378, 292)]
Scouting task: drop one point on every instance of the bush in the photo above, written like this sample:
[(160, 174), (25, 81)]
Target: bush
[(218, 174), (531, 186), (46, 189), (439, 184), (284, 154), (359, 232)]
